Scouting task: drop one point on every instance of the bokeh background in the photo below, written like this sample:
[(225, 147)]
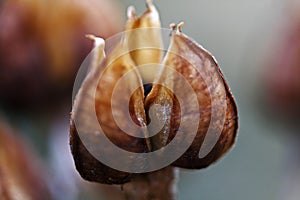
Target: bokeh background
[(257, 44)]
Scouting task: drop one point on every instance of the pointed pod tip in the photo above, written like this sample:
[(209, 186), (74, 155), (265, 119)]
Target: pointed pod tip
[(149, 4), (151, 7), (173, 26), (90, 36), (97, 40), (179, 27), (131, 13)]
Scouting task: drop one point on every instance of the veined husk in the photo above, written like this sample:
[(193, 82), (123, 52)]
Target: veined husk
[(214, 98), (217, 126), (97, 90)]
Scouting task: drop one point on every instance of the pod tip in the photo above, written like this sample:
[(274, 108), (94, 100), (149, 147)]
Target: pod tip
[(149, 4), (131, 13), (97, 40), (173, 26), (179, 27)]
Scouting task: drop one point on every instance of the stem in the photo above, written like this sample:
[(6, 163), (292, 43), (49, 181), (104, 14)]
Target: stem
[(156, 185)]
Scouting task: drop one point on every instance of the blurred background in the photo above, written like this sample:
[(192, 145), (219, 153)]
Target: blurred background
[(257, 44)]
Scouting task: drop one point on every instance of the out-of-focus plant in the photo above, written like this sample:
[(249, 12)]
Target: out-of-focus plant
[(42, 44), (20, 174), (282, 75)]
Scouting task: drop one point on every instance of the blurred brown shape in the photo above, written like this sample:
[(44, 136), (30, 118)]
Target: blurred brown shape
[(20, 175), (282, 76), (42, 45)]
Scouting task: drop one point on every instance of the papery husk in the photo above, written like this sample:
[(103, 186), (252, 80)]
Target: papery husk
[(202, 72)]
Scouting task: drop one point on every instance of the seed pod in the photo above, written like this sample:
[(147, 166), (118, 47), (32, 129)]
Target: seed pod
[(206, 96)]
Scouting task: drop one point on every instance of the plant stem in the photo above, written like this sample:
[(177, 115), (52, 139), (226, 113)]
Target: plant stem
[(158, 185)]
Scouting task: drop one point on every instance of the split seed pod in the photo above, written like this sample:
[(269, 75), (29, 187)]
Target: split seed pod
[(216, 127)]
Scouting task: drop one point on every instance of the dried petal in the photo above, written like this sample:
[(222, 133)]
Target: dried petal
[(145, 40), (218, 111), (97, 90)]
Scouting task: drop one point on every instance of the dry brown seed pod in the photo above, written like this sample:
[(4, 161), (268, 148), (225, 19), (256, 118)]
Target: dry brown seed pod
[(217, 126)]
